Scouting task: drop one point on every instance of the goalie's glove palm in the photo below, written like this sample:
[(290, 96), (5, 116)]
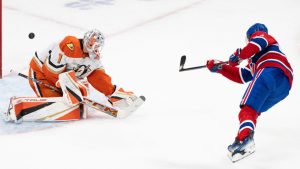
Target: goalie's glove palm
[(122, 99)]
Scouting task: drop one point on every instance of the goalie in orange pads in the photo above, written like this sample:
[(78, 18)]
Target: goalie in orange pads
[(64, 65)]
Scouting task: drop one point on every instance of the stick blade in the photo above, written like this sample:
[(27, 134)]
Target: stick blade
[(182, 62)]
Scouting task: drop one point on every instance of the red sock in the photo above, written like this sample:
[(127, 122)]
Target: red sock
[(247, 117)]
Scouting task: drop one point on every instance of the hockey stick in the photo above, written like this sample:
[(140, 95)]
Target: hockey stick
[(182, 62), (39, 82), (93, 104), (101, 107)]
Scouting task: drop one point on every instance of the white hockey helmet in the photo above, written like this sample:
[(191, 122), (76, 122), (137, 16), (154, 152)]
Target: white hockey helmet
[(93, 42)]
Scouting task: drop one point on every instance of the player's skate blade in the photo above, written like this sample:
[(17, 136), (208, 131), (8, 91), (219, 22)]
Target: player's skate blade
[(238, 156), (241, 149)]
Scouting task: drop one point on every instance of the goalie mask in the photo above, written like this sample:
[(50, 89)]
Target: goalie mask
[(93, 42)]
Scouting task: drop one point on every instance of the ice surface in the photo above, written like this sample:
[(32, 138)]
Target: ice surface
[(189, 118)]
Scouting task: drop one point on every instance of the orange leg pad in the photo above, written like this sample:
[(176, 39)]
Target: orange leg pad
[(47, 109)]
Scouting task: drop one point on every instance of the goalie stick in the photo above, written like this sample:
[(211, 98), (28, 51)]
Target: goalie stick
[(39, 82), (91, 103), (182, 62)]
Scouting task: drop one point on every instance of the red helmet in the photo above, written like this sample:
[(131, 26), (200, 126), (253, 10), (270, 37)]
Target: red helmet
[(256, 27)]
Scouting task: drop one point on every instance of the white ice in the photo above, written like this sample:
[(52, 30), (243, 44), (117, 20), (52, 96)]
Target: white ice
[(189, 118)]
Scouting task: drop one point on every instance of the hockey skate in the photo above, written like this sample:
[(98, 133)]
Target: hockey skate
[(241, 149), (9, 115)]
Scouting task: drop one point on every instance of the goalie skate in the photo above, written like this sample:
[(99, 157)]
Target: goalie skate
[(125, 112), (8, 116), (241, 149)]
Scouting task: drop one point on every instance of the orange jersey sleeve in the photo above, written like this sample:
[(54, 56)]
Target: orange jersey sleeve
[(36, 64), (71, 47), (101, 82), (56, 62)]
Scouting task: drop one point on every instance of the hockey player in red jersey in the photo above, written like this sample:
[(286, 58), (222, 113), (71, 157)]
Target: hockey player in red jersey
[(270, 76), (67, 65)]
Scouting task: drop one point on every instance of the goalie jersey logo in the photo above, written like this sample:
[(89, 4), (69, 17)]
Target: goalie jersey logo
[(81, 70)]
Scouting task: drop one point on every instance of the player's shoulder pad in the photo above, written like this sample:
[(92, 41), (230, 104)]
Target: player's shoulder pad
[(270, 39), (71, 47)]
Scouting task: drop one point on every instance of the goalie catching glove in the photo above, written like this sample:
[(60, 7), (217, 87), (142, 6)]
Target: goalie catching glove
[(122, 99)]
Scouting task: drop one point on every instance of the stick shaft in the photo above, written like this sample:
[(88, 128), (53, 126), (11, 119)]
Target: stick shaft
[(39, 82), (182, 62), (192, 68)]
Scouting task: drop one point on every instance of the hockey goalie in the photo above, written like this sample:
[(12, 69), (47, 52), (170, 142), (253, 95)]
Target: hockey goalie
[(60, 76)]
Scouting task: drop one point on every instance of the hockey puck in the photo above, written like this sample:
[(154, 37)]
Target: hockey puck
[(31, 35)]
